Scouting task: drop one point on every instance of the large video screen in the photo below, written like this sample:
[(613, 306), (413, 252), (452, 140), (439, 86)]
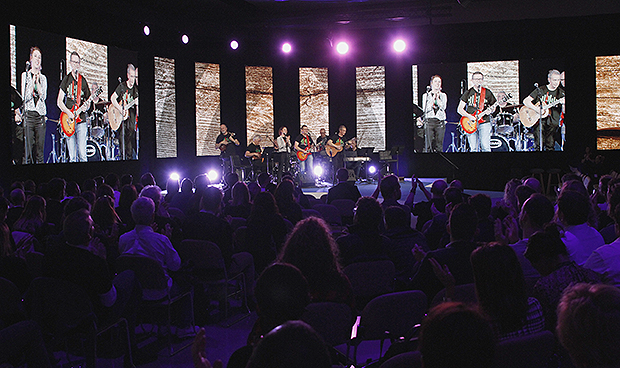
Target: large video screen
[(71, 100), (608, 102)]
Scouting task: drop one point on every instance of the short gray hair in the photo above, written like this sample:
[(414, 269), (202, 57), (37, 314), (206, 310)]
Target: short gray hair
[(142, 211), (153, 192)]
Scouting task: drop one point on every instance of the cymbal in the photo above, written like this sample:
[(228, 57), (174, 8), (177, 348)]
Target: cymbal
[(510, 106), (103, 103)]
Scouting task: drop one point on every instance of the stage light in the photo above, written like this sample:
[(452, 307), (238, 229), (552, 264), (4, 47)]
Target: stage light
[(175, 176), (147, 30), (399, 45), (342, 48), (234, 44), (185, 39), (212, 175), (372, 169), (318, 171), (286, 47)]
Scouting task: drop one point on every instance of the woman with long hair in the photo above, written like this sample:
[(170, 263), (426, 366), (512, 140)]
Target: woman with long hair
[(312, 249), (104, 216), (268, 230), (33, 219), (240, 205), (128, 195), (285, 198)]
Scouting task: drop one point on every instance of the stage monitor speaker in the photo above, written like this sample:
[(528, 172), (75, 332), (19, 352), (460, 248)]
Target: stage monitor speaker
[(351, 175), (306, 180)]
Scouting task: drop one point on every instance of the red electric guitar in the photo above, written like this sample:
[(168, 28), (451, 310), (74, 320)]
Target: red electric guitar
[(470, 126), (68, 124)]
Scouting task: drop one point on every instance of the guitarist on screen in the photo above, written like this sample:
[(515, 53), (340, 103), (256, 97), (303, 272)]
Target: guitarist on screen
[(123, 100), (73, 93), (34, 93), (303, 143), (473, 106), (550, 94)]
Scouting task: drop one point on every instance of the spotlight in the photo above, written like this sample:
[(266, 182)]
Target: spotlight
[(318, 171), (175, 176), (342, 48), (185, 39), (399, 45), (372, 169), (234, 44), (212, 175), (287, 47), (147, 30)]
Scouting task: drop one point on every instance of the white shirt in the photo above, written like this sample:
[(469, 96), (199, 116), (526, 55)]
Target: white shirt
[(606, 260), (581, 240), (442, 103)]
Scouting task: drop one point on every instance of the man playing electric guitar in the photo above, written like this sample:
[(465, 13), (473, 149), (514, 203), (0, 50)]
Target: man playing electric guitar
[(474, 106), (303, 145), (551, 96), (74, 94), (123, 100)]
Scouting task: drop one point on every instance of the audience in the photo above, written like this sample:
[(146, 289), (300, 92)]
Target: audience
[(605, 260), (344, 189), (240, 205), (286, 201), (267, 230)]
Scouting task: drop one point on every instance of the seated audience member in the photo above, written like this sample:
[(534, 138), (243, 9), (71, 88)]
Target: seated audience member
[(501, 292), (206, 225), (536, 212), (580, 238), (172, 190), (281, 295), (128, 196), (240, 205), (230, 179), (54, 206), (435, 197), (508, 204), (254, 189), (389, 187), (266, 230), (534, 184), (364, 242), (456, 336), (613, 199), (456, 183), (482, 205), (89, 185), (311, 248), (33, 222), (404, 239), (589, 325), (113, 181), (606, 259), (462, 227), (201, 183), (263, 179), (18, 199), (181, 199), (344, 189), (105, 218), (143, 241), (23, 341), (548, 254), (165, 224), (435, 229), (286, 201), (523, 192), (147, 179), (12, 267)]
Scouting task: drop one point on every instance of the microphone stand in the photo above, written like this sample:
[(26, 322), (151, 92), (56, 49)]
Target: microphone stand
[(540, 122), (427, 142)]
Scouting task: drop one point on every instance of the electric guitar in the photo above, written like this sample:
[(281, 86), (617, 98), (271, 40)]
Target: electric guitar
[(68, 124), (303, 156), (115, 116), (470, 126), (529, 117), (333, 151)]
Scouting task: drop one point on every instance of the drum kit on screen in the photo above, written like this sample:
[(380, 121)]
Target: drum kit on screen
[(102, 143), (508, 133)]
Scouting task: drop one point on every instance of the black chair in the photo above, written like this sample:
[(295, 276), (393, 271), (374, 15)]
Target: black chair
[(531, 351), (65, 314), (370, 279), (152, 276), (465, 293)]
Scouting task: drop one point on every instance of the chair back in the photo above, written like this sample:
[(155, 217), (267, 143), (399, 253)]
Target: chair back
[(148, 271), (332, 321), (410, 359), (345, 207), (370, 279), (177, 214), (201, 254), (237, 222), (330, 213), (535, 350), (394, 314), (465, 293)]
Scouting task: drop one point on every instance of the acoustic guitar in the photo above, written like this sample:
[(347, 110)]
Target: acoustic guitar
[(529, 117), (333, 151), (115, 115), (68, 124)]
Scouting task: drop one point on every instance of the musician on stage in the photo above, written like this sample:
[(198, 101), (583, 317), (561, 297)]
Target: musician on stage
[(321, 140), (552, 93), (283, 146), (224, 140), (474, 102), (74, 90), (254, 153), (34, 93), (304, 143), (338, 143), (124, 96), (434, 103)]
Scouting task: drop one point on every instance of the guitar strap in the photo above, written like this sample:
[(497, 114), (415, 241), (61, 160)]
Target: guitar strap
[(79, 90), (483, 93)]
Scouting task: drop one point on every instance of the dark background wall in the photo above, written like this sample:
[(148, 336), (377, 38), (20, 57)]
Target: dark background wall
[(569, 44)]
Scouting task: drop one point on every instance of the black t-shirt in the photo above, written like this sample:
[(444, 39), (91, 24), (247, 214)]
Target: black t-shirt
[(321, 141), (127, 96), (253, 148), (472, 101), (303, 141), (69, 86), (549, 97), (228, 149)]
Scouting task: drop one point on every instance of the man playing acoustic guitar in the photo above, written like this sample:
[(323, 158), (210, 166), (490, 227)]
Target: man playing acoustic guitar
[(551, 96), (74, 90), (335, 146), (474, 108), (124, 99)]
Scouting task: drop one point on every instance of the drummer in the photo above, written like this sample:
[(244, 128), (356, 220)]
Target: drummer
[(98, 115)]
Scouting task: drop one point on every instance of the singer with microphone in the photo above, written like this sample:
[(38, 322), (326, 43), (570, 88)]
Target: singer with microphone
[(283, 146), (34, 93), (432, 126), (546, 100), (125, 100), (476, 104)]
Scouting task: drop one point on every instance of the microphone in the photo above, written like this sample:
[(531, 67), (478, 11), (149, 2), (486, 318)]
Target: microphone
[(28, 67), (428, 88), (120, 80), (536, 85)]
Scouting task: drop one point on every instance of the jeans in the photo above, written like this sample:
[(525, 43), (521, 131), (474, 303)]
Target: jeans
[(76, 144), (307, 166), (481, 136)]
